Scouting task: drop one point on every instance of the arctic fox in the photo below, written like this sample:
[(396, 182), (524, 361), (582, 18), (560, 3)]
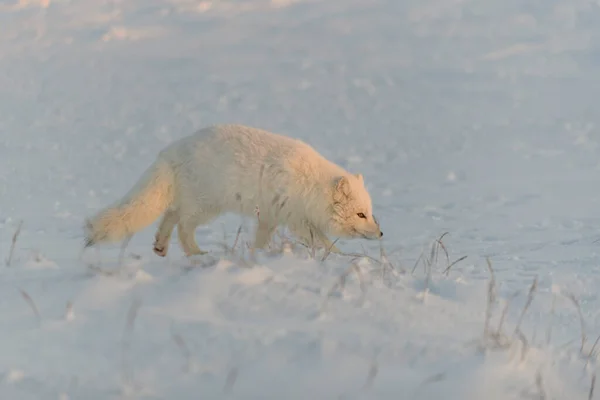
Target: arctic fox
[(244, 170)]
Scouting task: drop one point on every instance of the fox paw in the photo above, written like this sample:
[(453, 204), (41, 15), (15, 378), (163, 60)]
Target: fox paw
[(196, 253), (160, 250)]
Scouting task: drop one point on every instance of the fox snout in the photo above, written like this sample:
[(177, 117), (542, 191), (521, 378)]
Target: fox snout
[(380, 234), (373, 233)]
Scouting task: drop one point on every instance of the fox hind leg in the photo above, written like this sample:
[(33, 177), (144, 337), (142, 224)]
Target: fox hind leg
[(164, 231), (186, 229)]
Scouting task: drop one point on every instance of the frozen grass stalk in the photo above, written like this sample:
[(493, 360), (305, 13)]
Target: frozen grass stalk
[(341, 284), (32, 305), (127, 333), (490, 300), (230, 380), (373, 371), (530, 296), (581, 321), (591, 353), (504, 312), (447, 270), (552, 311), (441, 244), (524, 344), (328, 251), (187, 354), (539, 383), (124, 245), (13, 244)]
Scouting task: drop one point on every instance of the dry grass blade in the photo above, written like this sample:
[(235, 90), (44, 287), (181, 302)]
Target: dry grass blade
[(530, 296), (447, 270), (224, 232), (417, 262), (180, 342), (312, 247), (441, 244), (434, 378), (428, 262), (69, 314), (230, 380), (328, 250), (356, 256), (261, 174), (32, 305), (427, 275), (101, 271), (433, 253), (363, 286), (581, 320), (128, 330), (387, 266), (123, 248), (132, 315), (341, 284), (373, 371), (383, 258), (504, 312), (525, 344), (552, 312), (491, 299), (591, 393), (235, 242), (591, 353), (14, 243), (539, 383)]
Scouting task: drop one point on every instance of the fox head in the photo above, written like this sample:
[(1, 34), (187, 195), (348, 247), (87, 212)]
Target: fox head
[(352, 214)]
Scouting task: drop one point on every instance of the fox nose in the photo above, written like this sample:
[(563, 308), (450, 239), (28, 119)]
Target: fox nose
[(380, 234)]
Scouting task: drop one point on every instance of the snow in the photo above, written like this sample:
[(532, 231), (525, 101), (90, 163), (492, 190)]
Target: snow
[(474, 118)]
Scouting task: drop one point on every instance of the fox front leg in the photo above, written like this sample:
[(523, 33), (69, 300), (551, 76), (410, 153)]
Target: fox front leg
[(309, 235), (263, 235), (329, 245)]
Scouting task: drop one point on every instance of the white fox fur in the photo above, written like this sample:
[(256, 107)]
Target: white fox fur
[(239, 169)]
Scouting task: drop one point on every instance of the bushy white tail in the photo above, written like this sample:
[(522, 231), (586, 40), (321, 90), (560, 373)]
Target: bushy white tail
[(141, 206)]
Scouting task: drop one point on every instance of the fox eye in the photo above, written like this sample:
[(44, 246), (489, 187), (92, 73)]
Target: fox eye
[(361, 215)]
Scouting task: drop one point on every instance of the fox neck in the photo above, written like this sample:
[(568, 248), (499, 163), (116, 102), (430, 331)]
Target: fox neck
[(319, 207), (318, 193)]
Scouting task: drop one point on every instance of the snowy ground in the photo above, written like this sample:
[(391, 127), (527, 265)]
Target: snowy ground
[(477, 118)]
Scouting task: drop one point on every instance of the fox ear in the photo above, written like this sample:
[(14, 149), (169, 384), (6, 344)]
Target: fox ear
[(360, 178), (342, 185)]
